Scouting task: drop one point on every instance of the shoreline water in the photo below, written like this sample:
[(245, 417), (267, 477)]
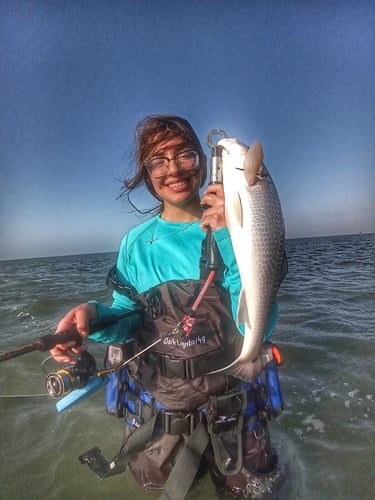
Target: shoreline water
[(326, 331)]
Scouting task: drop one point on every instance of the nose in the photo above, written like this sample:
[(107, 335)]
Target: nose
[(173, 168)]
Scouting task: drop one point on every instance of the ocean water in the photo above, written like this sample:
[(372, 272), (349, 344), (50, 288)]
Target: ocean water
[(325, 437)]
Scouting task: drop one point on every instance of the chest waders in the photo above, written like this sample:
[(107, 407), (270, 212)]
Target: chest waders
[(166, 392)]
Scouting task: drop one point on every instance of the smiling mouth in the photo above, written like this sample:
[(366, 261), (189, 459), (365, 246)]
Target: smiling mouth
[(178, 184)]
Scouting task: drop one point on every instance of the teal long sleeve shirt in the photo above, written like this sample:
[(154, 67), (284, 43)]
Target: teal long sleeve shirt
[(157, 251)]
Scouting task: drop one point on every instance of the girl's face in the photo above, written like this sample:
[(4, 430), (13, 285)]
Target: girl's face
[(178, 187)]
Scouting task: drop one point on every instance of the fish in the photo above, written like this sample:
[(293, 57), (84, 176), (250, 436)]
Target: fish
[(256, 227)]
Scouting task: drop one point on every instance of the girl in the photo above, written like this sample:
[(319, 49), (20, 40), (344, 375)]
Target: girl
[(168, 394)]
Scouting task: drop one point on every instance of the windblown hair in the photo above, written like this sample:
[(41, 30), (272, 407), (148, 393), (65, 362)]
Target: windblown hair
[(151, 134)]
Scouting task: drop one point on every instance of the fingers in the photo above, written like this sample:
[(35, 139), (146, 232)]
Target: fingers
[(213, 195), (212, 220), (214, 213), (62, 352), (84, 314), (77, 320)]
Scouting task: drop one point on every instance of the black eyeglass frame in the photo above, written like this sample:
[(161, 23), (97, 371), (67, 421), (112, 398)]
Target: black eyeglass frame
[(148, 166)]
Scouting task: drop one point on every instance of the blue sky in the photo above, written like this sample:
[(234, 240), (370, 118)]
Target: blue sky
[(76, 77)]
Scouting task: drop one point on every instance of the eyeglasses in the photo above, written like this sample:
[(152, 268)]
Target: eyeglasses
[(185, 160)]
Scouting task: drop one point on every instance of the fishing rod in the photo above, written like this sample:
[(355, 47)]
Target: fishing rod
[(49, 341)]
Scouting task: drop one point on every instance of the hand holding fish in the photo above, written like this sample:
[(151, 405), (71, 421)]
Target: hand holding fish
[(214, 203)]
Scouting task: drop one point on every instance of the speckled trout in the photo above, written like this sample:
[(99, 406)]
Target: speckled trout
[(255, 223)]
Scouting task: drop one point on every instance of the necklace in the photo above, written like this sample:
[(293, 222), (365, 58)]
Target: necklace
[(153, 239)]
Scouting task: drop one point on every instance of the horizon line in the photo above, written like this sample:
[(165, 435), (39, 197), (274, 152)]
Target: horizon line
[(116, 251)]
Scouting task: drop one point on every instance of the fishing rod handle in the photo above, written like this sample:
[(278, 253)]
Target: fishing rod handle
[(49, 341)]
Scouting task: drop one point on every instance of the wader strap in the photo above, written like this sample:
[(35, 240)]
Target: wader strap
[(225, 418), (113, 283), (134, 444), (183, 473), (189, 368)]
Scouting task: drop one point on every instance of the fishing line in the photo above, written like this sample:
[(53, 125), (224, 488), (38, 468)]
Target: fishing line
[(44, 362), (22, 395), (13, 396)]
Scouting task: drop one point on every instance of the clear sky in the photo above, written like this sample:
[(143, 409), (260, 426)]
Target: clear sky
[(77, 75)]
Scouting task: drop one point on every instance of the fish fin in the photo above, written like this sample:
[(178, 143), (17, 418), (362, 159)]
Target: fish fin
[(244, 370), (238, 211), (242, 310), (253, 162)]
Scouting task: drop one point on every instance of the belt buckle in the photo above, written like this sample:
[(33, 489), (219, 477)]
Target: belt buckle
[(176, 424)]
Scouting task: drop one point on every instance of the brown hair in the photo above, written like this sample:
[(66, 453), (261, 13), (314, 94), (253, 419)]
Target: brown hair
[(150, 135)]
